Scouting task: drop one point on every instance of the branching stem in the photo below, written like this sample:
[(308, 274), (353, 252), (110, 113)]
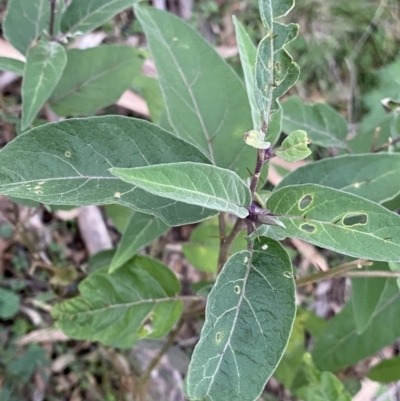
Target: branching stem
[(338, 271)]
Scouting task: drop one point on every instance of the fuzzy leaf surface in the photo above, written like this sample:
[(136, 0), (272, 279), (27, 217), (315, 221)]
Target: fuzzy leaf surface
[(45, 63), (386, 371), (249, 317), (275, 71), (84, 16), (142, 229), (136, 301), (337, 220), (195, 183), (370, 176), (294, 147), (324, 126), (67, 163), (104, 73), (248, 53), (206, 102), (25, 21)]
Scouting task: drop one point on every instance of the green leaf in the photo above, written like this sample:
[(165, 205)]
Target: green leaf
[(11, 64), (45, 63), (275, 71), (9, 304), (203, 247), (324, 126), (338, 221), (370, 176), (328, 388), (142, 229), (84, 16), (294, 147), (313, 385), (365, 295), (104, 73), (249, 317), (139, 300), (340, 346), (293, 357), (206, 102), (266, 231), (248, 53), (194, 183), (68, 163), (25, 21), (272, 9), (386, 371)]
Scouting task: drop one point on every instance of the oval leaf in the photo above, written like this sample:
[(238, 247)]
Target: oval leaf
[(142, 229), (137, 301), (206, 102), (338, 221), (324, 126), (67, 163), (194, 183), (249, 316), (370, 176), (45, 62), (104, 73)]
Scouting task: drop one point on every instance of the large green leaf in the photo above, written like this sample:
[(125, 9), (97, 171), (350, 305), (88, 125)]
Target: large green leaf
[(338, 221), (104, 73), (194, 183), (68, 163), (369, 175), (249, 316), (84, 16), (324, 126), (340, 346), (142, 229), (45, 62), (365, 295), (11, 64), (25, 21), (206, 102), (275, 71), (139, 300)]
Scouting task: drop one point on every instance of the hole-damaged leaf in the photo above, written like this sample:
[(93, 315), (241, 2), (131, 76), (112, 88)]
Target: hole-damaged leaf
[(249, 316), (136, 301), (67, 163), (343, 222)]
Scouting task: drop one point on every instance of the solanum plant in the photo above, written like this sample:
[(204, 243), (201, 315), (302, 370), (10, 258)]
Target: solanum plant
[(194, 166)]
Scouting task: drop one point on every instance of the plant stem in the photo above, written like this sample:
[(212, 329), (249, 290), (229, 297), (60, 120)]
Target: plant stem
[(156, 360), (337, 271), (52, 13), (373, 273), (391, 142), (227, 242)]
